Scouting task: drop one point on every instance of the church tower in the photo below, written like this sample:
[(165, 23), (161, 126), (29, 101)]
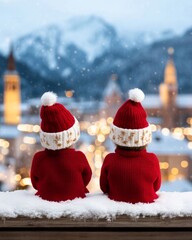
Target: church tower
[(12, 98), (168, 92), (112, 97)]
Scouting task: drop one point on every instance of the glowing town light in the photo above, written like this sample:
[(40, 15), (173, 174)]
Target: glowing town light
[(190, 145), (105, 130), (4, 143), (20, 127), (178, 133), (36, 128), (98, 152), (25, 182), (101, 138), (165, 131), (184, 164), (153, 127), (25, 127), (69, 93), (4, 151), (171, 177), (93, 130), (174, 171), (23, 147), (164, 165), (161, 165), (102, 122), (97, 143), (109, 120), (188, 131), (102, 148), (91, 148), (189, 121), (29, 140), (17, 177), (178, 130)]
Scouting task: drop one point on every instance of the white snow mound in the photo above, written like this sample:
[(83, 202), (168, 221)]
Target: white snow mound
[(95, 205)]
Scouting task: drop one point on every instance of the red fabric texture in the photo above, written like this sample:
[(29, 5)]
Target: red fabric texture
[(131, 115), (131, 176), (56, 118), (60, 175)]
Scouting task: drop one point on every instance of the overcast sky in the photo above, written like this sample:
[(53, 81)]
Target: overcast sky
[(18, 17)]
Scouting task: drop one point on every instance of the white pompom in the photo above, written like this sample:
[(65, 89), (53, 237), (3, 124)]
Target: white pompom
[(48, 99), (136, 95)]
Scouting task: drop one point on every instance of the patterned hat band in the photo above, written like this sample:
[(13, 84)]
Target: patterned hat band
[(60, 140), (130, 137)]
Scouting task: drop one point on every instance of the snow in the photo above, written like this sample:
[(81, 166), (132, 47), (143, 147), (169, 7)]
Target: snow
[(9, 131), (184, 100), (89, 34), (95, 205), (161, 145), (177, 186), (152, 101)]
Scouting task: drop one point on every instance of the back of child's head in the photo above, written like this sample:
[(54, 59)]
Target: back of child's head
[(59, 128), (130, 128)]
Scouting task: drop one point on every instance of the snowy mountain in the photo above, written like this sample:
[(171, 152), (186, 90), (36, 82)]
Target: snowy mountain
[(139, 39), (76, 43), (71, 55), (81, 40), (83, 53)]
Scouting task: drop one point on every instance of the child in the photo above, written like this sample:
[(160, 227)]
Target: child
[(131, 174), (59, 172)]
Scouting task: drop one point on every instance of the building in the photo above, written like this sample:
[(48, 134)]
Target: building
[(13, 150), (174, 155), (169, 109), (112, 98), (12, 96)]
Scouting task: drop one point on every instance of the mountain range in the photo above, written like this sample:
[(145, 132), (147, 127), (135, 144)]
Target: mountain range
[(83, 53)]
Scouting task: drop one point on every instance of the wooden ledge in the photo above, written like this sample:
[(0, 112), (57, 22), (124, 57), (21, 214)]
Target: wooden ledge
[(122, 221), (121, 228)]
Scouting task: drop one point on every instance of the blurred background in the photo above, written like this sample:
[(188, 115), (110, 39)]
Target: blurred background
[(91, 54)]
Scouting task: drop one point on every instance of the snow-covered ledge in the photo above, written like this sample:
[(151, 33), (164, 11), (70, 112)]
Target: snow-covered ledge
[(23, 204)]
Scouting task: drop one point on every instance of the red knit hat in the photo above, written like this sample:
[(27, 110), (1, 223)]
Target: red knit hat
[(130, 127), (59, 128)]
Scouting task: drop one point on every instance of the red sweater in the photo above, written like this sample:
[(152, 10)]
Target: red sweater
[(131, 176), (60, 175)]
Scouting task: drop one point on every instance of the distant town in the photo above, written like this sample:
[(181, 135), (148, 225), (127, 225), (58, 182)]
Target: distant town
[(169, 113)]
